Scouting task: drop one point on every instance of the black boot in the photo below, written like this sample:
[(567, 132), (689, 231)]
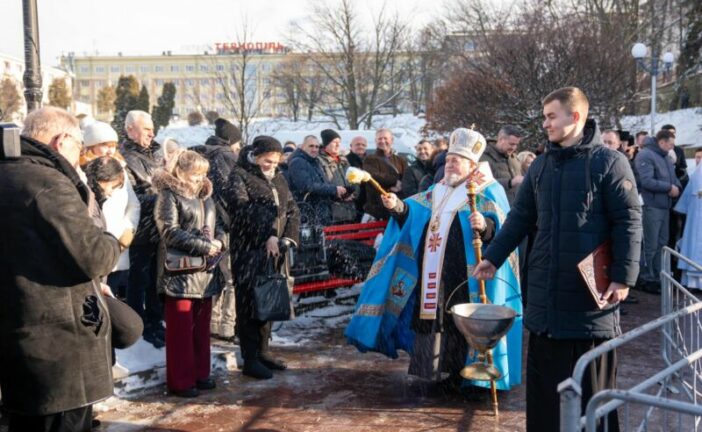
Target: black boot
[(255, 369), (272, 363)]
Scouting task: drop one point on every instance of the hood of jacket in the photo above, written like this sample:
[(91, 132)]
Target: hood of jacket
[(163, 180), (655, 148)]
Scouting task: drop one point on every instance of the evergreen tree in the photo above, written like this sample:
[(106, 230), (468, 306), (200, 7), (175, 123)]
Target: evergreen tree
[(10, 99), (59, 96), (143, 102), (127, 99), (164, 110)]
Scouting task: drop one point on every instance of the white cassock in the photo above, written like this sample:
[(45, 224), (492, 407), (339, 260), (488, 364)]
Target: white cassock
[(690, 204)]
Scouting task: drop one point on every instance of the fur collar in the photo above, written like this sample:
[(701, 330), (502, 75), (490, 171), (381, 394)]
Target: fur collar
[(163, 180)]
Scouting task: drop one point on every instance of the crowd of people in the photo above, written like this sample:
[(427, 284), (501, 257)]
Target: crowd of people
[(111, 239)]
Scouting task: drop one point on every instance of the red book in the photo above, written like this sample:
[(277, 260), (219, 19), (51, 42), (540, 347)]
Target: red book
[(595, 272)]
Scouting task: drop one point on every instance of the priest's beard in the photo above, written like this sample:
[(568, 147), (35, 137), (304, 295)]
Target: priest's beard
[(269, 174), (454, 180)]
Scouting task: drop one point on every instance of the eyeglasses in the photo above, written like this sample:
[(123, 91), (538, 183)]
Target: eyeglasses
[(77, 140), (313, 146)]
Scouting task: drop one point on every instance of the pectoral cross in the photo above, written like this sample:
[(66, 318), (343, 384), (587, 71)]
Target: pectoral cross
[(434, 242)]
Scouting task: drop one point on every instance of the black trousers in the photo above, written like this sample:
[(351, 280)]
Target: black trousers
[(551, 361), (77, 420), (253, 337), (142, 294)]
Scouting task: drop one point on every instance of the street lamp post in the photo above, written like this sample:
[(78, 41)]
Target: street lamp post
[(32, 71), (639, 51)]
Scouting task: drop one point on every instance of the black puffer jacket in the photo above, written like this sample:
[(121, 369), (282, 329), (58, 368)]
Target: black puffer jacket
[(577, 197), (142, 163), (54, 325), (256, 213), (504, 168), (412, 180), (222, 159), (187, 222)]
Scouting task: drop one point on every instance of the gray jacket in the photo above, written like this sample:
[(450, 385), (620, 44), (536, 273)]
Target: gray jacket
[(656, 175)]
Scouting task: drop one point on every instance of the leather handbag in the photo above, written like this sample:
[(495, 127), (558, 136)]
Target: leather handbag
[(272, 301), (179, 262)]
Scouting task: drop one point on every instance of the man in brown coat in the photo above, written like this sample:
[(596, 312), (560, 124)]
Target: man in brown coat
[(503, 161), (387, 169)]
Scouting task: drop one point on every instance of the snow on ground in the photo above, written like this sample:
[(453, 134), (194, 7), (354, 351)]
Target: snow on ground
[(305, 327), (406, 128), (687, 122)]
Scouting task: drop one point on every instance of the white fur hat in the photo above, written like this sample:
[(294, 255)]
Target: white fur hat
[(467, 143), (98, 133)]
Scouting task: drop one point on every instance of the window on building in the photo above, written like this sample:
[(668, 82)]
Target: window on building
[(220, 96), (189, 68), (203, 68), (84, 83), (175, 68), (99, 69), (84, 69), (189, 82), (159, 82), (130, 69), (220, 68), (205, 82), (115, 69), (144, 69), (158, 68)]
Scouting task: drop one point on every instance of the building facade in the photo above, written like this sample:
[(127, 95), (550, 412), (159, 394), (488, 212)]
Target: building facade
[(204, 82)]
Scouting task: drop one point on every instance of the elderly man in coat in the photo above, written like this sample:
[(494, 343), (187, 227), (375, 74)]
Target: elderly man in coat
[(55, 357)]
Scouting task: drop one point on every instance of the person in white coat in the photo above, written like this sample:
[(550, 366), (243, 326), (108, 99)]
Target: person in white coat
[(121, 210)]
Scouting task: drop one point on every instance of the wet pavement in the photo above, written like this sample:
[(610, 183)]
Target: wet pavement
[(331, 386)]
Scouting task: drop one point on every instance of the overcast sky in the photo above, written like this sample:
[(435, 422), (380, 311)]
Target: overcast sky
[(153, 26)]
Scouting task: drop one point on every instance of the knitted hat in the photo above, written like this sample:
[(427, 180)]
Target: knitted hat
[(328, 135), (227, 131), (98, 133), (467, 143), (266, 144)]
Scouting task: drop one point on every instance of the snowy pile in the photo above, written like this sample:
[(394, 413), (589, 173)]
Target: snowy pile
[(687, 122), (406, 128)]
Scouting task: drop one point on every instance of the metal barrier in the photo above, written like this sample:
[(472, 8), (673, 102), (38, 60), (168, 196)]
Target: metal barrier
[(671, 399)]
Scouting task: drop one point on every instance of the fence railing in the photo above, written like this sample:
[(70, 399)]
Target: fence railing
[(669, 399)]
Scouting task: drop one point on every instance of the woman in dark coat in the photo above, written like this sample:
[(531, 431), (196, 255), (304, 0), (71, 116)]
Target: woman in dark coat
[(187, 223), (264, 222)]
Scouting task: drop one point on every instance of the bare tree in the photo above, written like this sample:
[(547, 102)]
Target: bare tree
[(237, 74), (301, 84), (355, 61), (521, 56)]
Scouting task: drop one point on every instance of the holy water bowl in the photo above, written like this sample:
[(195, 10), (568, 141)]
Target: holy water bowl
[(483, 325)]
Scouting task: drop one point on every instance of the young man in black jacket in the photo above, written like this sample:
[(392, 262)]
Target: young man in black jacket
[(579, 194)]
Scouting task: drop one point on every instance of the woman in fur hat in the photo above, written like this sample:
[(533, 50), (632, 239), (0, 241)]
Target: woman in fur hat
[(187, 224), (264, 222)]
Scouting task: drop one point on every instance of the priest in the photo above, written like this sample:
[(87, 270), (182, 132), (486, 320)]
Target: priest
[(422, 268)]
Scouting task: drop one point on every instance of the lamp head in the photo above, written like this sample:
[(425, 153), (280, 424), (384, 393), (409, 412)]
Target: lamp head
[(639, 50), (668, 58)]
